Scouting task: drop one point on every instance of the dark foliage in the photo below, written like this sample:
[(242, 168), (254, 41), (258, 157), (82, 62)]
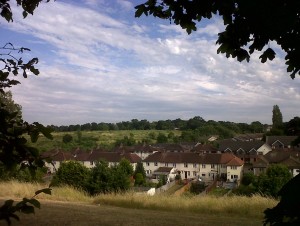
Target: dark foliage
[(287, 211)]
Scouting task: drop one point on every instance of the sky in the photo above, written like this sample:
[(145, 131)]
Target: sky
[(98, 63)]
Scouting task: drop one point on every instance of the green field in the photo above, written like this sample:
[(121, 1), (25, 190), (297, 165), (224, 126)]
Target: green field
[(93, 139)]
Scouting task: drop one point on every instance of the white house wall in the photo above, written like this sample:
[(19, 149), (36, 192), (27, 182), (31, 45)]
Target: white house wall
[(264, 149)]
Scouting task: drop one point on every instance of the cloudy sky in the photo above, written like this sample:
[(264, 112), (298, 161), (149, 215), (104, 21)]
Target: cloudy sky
[(99, 63)]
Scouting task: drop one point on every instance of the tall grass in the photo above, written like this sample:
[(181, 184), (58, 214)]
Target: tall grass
[(231, 205), (226, 205), (17, 190)]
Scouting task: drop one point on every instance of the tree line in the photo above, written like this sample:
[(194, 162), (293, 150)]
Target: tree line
[(196, 122)]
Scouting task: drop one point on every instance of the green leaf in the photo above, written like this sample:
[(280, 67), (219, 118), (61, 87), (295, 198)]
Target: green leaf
[(45, 190), (140, 10), (25, 14), (27, 209), (268, 54)]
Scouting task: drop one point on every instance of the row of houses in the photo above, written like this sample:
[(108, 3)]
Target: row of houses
[(194, 160)]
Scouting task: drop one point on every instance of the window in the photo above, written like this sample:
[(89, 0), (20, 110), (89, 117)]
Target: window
[(91, 163), (203, 166), (166, 164), (188, 173), (234, 176), (147, 164), (174, 164), (194, 173), (185, 165), (223, 166), (195, 165), (155, 164), (203, 174), (212, 166), (233, 167)]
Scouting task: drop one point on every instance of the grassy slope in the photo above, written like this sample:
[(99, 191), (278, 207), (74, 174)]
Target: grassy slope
[(55, 213), (91, 139), (70, 207)]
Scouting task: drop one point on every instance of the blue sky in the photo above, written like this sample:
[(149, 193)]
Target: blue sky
[(99, 63)]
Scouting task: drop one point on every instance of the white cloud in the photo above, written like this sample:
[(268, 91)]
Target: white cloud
[(96, 67)]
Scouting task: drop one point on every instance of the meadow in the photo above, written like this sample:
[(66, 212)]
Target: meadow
[(67, 206), (91, 139)]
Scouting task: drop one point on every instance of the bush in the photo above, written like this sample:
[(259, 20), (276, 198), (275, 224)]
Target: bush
[(197, 187), (71, 173), (248, 178), (67, 138), (139, 179), (245, 190)]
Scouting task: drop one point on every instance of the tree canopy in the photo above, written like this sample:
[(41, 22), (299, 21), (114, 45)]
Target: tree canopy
[(249, 25)]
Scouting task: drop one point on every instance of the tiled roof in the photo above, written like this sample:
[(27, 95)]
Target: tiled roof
[(163, 169), (170, 147), (204, 148), (247, 146), (173, 157), (261, 162), (62, 156), (286, 140), (235, 162), (192, 157), (113, 156), (278, 156)]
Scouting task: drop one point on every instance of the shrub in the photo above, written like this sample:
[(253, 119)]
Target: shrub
[(248, 178), (197, 187), (67, 138), (71, 173), (139, 179)]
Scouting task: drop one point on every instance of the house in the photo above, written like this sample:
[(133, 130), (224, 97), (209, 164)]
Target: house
[(260, 165), (88, 159), (224, 165), (186, 163), (191, 165), (286, 157), (55, 157), (245, 150), (280, 141), (169, 173), (204, 148), (112, 158)]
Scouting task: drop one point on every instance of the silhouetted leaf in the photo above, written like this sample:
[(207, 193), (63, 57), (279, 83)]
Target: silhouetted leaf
[(45, 190)]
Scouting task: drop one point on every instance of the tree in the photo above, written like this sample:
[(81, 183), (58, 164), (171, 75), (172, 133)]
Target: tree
[(105, 179), (99, 180), (14, 149), (121, 175), (8, 103), (273, 180), (277, 118), (71, 173), (249, 25), (139, 174), (161, 138)]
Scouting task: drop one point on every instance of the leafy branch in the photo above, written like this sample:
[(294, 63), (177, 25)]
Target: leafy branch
[(9, 210)]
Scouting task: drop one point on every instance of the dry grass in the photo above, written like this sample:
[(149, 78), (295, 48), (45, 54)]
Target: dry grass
[(18, 190), (136, 209), (229, 205)]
